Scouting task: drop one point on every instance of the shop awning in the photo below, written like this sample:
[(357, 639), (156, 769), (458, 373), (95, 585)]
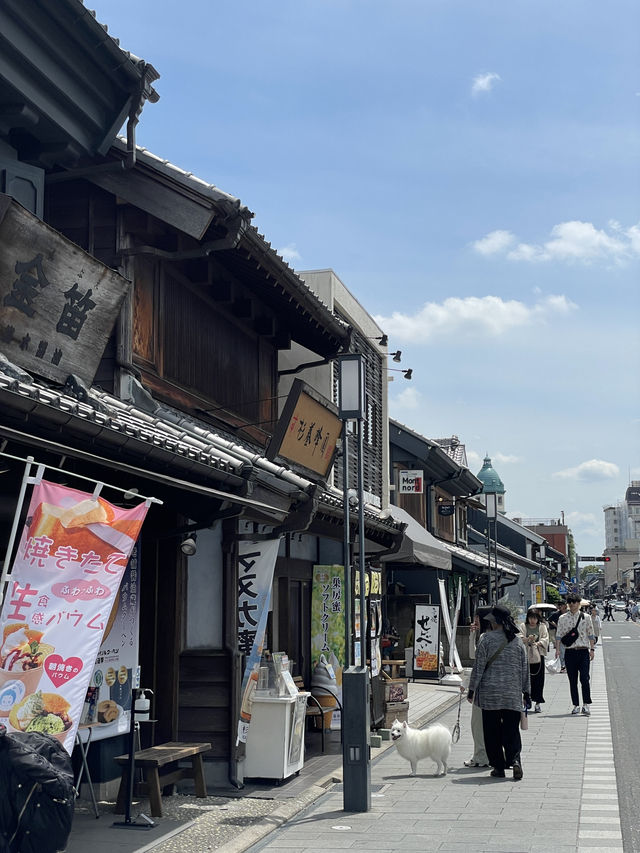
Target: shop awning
[(418, 545)]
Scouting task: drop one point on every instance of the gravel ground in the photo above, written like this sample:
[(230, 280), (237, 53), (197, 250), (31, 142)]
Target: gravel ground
[(219, 820)]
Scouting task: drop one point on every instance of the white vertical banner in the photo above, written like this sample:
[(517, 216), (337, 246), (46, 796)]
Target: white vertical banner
[(453, 647), (256, 562), (446, 618)]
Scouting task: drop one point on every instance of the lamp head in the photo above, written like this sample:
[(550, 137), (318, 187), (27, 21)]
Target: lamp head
[(397, 355), (188, 546), (407, 373)]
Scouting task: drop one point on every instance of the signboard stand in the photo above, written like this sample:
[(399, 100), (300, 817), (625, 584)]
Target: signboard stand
[(128, 822)]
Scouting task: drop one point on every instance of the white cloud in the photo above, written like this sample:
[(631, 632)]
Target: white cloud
[(472, 316), (504, 458), (474, 460), (569, 242), (494, 243), (484, 82), (580, 519), (409, 398), (589, 472), (290, 254)]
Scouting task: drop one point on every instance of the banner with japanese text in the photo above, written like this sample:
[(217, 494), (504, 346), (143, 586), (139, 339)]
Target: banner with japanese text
[(426, 642), (107, 705), (65, 577), (327, 634), (256, 562)]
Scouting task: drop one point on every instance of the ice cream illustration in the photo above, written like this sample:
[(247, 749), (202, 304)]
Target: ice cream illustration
[(324, 688), (22, 656)]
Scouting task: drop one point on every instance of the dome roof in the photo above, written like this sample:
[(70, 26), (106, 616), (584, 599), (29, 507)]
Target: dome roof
[(489, 478)]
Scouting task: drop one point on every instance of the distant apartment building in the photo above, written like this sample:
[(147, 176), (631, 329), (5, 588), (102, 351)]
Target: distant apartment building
[(622, 538), (622, 520)]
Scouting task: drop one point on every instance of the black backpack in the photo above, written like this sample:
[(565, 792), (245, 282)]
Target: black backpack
[(38, 796)]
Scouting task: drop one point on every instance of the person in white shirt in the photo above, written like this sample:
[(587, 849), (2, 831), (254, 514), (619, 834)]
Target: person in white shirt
[(597, 622), (579, 654)]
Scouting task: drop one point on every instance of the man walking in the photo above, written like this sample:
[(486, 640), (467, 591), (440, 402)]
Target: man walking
[(608, 612), (579, 654)]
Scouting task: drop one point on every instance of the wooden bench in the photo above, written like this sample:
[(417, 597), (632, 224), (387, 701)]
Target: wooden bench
[(151, 761), (394, 665)]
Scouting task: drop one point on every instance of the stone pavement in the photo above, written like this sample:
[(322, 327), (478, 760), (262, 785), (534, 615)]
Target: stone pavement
[(234, 820), (566, 803)]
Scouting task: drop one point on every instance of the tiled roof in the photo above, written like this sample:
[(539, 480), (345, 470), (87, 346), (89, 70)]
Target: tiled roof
[(168, 430), (454, 449), (233, 206), (478, 559), (90, 15)]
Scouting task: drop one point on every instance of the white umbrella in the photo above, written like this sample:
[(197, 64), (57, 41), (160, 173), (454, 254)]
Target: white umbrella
[(544, 606), (584, 602)]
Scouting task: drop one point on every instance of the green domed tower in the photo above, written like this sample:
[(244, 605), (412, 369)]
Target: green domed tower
[(491, 482)]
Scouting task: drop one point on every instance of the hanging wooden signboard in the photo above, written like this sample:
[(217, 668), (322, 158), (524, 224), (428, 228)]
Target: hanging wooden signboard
[(58, 304)]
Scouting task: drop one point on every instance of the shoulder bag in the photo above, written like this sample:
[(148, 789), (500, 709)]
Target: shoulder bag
[(571, 636)]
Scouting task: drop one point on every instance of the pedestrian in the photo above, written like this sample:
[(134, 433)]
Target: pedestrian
[(597, 623), (635, 611), (479, 758), (608, 612), (627, 610), (499, 684), (535, 637), (562, 608), (579, 654)]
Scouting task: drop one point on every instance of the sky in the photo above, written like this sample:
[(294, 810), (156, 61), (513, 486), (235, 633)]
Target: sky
[(470, 171)]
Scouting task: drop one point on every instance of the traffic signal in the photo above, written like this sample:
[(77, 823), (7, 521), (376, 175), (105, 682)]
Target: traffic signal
[(606, 559)]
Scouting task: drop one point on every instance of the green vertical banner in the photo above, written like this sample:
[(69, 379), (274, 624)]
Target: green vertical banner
[(327, 628)]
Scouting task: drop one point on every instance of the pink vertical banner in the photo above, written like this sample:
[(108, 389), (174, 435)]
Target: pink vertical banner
[(60, 596)]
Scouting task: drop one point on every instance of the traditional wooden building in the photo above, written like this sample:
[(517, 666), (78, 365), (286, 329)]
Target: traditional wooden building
[(163, 376)]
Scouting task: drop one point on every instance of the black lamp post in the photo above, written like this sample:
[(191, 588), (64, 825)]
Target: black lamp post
[(491, 506), (356, 767)]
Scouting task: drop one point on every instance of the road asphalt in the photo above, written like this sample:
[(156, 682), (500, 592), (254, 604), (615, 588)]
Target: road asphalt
[(567, 801)]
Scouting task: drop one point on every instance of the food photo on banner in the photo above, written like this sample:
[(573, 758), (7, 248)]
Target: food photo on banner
[(107, 704), (64, 580)]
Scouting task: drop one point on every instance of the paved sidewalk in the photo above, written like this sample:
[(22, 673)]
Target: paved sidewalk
[(566, 803), (233, 821)]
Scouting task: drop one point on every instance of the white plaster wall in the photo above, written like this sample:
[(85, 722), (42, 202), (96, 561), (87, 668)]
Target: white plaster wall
[(205, 592)]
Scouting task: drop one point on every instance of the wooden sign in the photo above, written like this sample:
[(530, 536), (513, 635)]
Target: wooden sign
[(58, 304), (307, 430)]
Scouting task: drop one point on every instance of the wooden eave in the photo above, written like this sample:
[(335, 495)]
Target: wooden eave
[(66, 87)]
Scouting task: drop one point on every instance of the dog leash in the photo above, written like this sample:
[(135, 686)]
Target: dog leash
[(455, 734)]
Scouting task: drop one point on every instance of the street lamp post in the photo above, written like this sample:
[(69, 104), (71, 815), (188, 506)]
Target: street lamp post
[(491, 506), (543, 573), (356, 766)]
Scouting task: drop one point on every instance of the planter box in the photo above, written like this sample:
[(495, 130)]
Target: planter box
[(396, 711), (396, 690)]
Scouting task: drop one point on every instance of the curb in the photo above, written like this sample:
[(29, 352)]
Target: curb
[(248, 837)]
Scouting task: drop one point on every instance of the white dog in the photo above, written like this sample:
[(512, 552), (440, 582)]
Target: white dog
[(433, 742)]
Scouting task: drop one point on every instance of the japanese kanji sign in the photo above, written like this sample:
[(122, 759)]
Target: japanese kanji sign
[(307, 431), (256, 562), (426, 641), (327, 624), (58, 304), (65, 577)]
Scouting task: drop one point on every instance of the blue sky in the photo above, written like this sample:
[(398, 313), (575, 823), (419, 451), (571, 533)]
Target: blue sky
[(470, 171)]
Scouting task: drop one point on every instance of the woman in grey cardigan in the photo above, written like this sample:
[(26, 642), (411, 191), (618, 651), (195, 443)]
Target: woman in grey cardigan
[(499, 681)]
